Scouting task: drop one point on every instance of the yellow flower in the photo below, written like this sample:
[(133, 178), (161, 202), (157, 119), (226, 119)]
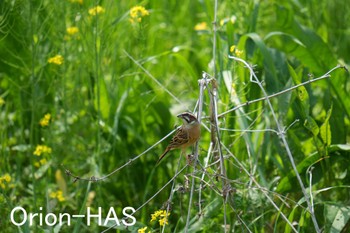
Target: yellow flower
[(201, 26), (163, 217), (142, 230), (164, 214), (238, 52), (156, 215), (43, 161), (96, 10), (53, 194), (58, 60), (163, 221), (222, 22), (40, 162), (5, 178), (77, 1), (41, 149), (72, 30), (232, 48), (2, 101), (58, 195), (137, 13), (153, 217), (45, 120)]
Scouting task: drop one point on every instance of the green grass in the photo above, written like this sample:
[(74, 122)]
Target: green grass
[(121, 85)]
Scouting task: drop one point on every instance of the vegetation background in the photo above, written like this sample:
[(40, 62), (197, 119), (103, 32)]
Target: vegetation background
[(72, 93)]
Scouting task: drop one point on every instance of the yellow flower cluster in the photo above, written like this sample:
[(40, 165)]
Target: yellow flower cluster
[(142, 230), (45, 120), (96, 10), (162, 216), (40, 162), (201, 26), (58, 195), (41, 149), (72, 33), (72, 30), (234, 50), (58, 60), (137, 13), (4, 179)]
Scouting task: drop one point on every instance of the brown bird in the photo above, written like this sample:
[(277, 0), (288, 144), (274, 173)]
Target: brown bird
[(186, 135)]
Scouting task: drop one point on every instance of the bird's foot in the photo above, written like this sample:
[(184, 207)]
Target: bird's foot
[(190, 159)]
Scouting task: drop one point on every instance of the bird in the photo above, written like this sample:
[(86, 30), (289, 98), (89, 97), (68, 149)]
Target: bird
[(185, 136)]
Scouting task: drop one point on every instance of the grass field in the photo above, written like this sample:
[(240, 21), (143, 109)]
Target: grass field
[(89, 90)]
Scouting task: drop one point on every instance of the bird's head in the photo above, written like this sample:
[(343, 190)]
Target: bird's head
[(188, 118)]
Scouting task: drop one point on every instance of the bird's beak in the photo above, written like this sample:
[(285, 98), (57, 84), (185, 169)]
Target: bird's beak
[(180, 115)]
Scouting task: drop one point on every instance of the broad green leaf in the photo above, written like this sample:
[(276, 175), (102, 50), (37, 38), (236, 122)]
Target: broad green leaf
[(289, 181), (329, 214), (340, 219), (296, 46), (301, 42)]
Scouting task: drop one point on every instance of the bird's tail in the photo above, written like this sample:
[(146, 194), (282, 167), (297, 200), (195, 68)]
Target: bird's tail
[(162, 156)]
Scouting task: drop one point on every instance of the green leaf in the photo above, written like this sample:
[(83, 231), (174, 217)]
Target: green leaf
[(102, 99), (302, 102), (42, 170), (288, 229), (340, 219), (300, 41), (311, 125), (325, 129), (186, 65), (271, 77), (290, 181), (210, 212)]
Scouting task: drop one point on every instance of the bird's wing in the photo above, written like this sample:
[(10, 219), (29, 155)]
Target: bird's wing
[(181, 138)]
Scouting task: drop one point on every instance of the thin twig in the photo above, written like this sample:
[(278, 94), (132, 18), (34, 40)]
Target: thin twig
[(203, 175), (216, 141), (95, 179), (326, 75), (153, 78), (260, 130), (171, 192), (202, 84)]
